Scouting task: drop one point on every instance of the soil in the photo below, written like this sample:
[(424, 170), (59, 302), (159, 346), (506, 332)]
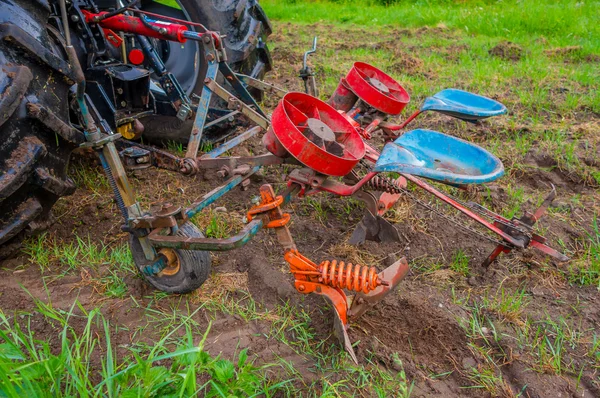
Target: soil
[(507, 50), (422, 326)]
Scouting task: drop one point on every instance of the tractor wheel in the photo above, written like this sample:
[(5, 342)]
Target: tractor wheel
[(246, 28), (187, 269), (36, 138)]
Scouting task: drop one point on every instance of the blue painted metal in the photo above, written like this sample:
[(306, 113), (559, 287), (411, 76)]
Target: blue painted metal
[(216, 193), (439, 157), (241, 90), (221, 149), (154, 268), (201, 112), (463, 105)]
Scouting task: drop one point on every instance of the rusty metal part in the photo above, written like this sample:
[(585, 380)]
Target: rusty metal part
[(392, 275), (263, 86), (135, 158), (385, 184), (375, 228), (343, 98), (173, 263), (221, 149), (236, 104), (158, 239), (536, 241)]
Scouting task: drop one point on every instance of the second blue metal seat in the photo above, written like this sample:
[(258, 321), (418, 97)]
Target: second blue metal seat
[(439, 157), (463, 105)]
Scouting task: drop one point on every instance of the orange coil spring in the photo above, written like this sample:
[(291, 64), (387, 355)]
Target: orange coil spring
[(349, 276)]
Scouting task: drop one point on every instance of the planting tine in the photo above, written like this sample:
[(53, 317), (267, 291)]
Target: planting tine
[(531, 219), (391, 277), (340, 332)]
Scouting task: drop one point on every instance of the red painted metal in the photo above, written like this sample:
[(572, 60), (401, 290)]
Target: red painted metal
[(377, 88), (396, 127), (339, 150), (136, 56), (343, 98), (129, 24), (495, 229)]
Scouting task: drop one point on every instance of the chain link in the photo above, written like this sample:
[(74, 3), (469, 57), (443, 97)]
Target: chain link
[(473, 206)]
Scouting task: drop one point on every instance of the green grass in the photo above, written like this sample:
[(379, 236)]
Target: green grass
[(460, 263), (585, 270), (562, 23), (86, 363)]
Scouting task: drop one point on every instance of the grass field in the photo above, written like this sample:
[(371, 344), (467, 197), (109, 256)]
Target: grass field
[(77, 320)]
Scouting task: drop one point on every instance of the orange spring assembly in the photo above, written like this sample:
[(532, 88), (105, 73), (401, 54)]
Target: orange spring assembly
[(352, 277)]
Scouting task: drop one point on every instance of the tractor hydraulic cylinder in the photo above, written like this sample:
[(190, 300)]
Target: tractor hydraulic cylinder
[(129, 24)]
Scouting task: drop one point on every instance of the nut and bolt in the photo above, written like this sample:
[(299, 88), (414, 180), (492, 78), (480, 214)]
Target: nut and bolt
[(301, 288)]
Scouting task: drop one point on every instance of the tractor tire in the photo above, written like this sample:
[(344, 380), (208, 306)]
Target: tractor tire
[(193, 267), (246, 28), (36, 138)]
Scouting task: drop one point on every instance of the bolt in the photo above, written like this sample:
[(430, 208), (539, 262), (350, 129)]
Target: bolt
[(207, 39), (206, 81), (123, 104), (74, 18), (301, 288), (255, 200), (119, 90), (210, 57)]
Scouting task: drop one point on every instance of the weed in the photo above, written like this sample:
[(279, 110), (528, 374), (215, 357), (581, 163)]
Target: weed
[(586, 269), (217, 224), (508, 305), (550, 343), (486, 378), (29, 367), (460, 263), (176, 147), (516, 197)]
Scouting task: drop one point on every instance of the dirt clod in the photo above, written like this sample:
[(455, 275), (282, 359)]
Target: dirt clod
[(507, 51)]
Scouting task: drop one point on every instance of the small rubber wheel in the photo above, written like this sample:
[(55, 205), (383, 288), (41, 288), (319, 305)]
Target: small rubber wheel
[(187, 269)]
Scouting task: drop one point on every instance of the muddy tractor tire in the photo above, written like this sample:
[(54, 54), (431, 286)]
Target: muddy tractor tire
[(246, 28), (186, 272), (36, 138)]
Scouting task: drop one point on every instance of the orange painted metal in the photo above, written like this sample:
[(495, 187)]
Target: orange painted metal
[(348, 276)]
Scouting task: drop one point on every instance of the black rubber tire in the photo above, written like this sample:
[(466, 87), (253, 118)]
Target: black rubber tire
[(36, 138), (247, 53), (194, 269)]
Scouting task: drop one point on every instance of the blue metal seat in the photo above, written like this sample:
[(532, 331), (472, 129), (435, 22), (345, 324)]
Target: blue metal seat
[(439, 157), (463, 105)]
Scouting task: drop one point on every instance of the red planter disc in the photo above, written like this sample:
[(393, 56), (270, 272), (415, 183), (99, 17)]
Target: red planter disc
[(377, 88), (315, 134)]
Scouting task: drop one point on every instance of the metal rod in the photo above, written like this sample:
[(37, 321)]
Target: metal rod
[(516, 242), (232, 143), (216, 193), (65, 21), (210, 244)]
